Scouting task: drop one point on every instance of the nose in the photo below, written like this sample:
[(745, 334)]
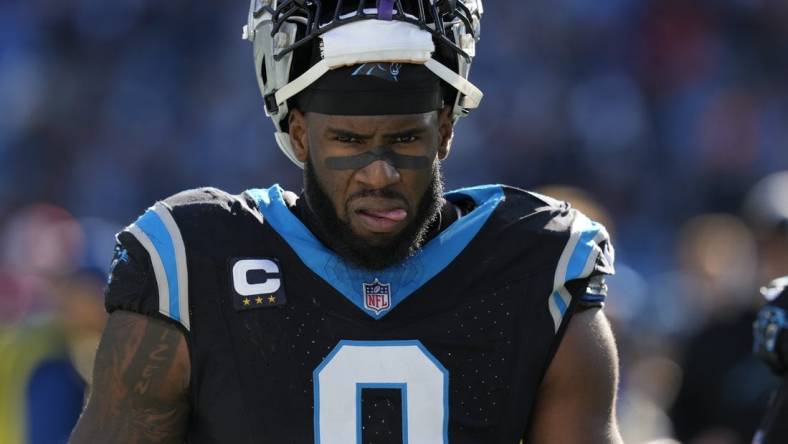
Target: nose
[(378, 174)]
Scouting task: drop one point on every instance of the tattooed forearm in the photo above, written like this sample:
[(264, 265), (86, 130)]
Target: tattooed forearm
[(149, 366), (139, 384)]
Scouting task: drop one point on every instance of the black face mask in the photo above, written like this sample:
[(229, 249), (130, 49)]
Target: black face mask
[(321, 217)]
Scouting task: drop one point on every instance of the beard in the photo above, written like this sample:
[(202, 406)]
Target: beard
[(322, 218)]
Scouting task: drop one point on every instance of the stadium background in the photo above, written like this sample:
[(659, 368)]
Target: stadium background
[(656, 116)]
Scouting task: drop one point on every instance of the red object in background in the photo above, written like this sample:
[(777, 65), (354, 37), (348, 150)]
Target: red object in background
[(42, 238), (678, 43)]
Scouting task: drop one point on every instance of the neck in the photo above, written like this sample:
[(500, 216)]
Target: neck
[(447, 215)]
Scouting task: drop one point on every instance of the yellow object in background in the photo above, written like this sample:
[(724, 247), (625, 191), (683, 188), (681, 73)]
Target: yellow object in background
[(22, 351)]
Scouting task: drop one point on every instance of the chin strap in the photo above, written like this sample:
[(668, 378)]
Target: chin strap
[(472, 96), (302, 82)]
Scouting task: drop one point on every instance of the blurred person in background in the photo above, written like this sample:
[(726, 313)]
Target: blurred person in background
[(770, 331), (729, 257), (713, 405), (766, 209), (51, 316)]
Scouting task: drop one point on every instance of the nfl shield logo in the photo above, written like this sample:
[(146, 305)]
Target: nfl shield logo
[(377, 297)]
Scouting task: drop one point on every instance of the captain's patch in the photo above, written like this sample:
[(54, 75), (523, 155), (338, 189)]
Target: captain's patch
[(256, 283)]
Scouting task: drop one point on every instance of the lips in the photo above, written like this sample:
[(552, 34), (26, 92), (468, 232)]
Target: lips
[(394, 215), (378, 213), (381, 220)]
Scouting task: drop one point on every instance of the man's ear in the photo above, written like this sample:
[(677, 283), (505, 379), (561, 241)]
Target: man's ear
[(446, 131), (298, 134)]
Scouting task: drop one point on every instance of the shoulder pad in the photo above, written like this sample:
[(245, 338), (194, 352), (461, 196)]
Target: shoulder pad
[(202, 213), (587, 256), (199, 196), (157, 232), (537, 213), (581, 249), (204, 202), (161, 231), (526, 202), (586, 248), (587, 251)]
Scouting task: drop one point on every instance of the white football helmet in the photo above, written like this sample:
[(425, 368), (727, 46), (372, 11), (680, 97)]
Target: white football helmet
[(441, 34)]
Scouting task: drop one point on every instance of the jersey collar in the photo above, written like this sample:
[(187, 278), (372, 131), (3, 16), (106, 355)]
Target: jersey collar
[(377, 292)]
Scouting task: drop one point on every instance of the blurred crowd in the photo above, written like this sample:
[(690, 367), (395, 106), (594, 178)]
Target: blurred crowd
[(665, 119)]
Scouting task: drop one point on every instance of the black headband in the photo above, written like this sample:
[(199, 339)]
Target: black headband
[(373, 89)]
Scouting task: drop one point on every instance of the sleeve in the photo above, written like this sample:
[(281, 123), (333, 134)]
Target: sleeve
[(587, 257), (148, 274)]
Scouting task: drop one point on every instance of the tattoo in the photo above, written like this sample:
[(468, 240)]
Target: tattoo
[(139, 384), (148, 368)]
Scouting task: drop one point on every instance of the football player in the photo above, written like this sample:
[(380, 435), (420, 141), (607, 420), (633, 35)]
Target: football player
[(373, 307), (771, 345)]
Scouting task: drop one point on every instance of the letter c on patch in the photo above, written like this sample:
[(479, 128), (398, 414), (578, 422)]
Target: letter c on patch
[(241, 271)]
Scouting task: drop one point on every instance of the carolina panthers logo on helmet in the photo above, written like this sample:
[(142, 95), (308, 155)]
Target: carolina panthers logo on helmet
[(385, 71)]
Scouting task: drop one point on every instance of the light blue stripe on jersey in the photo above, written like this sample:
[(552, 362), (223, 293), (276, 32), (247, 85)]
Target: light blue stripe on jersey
[(406, 277), (559, 302), (578, 262), (153, 227)]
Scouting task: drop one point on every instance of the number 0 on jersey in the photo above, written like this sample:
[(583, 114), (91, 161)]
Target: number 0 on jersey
[(406, 365)]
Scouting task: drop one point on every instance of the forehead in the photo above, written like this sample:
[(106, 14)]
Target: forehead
[(369, 124)]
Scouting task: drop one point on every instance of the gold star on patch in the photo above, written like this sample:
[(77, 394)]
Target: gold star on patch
[(247, 301), (271, 299), (259, 300)]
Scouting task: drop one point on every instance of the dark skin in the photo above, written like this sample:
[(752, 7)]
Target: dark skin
[(141, 376), (321, 137), (577, 397), (140, 384)]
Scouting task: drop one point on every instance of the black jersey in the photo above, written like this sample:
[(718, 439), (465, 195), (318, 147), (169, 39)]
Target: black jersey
[(289, 343)]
